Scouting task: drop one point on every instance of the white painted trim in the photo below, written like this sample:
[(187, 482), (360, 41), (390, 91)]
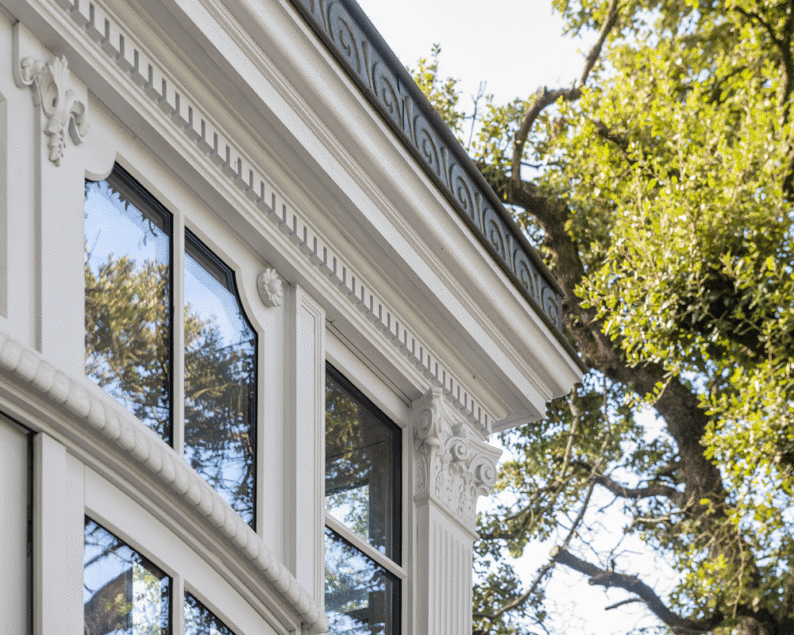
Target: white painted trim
[(305, 440), (3, 207), (107, 420), (363, 376), (364, 547), (177, 110), (72, 530), (128, 520), (49, 510)]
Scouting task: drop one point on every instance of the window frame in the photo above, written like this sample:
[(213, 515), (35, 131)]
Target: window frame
[(393, 567), (145, 560), (181, 228)]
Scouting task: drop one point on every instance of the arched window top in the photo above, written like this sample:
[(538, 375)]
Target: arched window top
[(130, 335)]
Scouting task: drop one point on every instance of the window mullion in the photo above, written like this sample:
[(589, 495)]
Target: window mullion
[(364, 547), (177, 345), (178, 605)]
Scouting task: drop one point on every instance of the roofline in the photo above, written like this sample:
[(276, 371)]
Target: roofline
[(367, 59)]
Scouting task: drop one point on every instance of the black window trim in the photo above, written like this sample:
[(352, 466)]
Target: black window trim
[(161, 210), (147, 198), (376, 412)]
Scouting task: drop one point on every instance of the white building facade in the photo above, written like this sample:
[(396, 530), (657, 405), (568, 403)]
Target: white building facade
[(258, 316)]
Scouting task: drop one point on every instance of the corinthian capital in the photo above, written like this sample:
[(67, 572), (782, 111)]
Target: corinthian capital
[(454, 465)]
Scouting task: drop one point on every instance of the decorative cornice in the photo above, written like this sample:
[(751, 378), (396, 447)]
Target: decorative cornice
[(61, 107), (186, 115), (367, 59), (453, 465), (270, 287), (95, 409)]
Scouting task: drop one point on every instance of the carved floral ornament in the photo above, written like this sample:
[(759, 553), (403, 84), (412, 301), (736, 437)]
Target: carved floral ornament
[(270, 287), (61, 107), (454, 465)]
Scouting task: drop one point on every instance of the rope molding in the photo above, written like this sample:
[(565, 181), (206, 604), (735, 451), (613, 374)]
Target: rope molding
[(91, 406)]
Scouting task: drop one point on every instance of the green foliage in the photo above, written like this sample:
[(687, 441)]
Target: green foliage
[(441, 93), (673, 168)]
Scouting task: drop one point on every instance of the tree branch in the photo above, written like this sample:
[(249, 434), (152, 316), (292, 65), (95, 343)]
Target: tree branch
[(619, 604), (636, 493), (595, 52), (543, 570), (783, 45), (677, 405), (545, 98), (632, 584)]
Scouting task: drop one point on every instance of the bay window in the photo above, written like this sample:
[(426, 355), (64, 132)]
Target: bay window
[(130, 277)]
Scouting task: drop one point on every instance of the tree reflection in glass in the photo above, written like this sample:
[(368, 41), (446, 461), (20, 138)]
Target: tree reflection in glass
[(199, 620), (123, 593), (361, 598), (220, 379), (127, 297), (361, 472), (129, 334)]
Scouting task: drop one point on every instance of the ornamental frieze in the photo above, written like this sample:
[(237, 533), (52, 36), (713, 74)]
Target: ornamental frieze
[(390, 89)]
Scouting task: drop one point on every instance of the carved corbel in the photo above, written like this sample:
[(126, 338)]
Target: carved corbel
[(270, 287), (62, 109), (454, 466)]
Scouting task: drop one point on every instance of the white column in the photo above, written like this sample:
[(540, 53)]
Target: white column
[(58, 513), (453, 467), (305, 442)]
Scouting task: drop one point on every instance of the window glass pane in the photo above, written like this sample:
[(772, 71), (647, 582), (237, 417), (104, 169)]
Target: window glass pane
[(199, 620), (220, 379), (361, 598), (362, 449), (123, 593), (127, 297)]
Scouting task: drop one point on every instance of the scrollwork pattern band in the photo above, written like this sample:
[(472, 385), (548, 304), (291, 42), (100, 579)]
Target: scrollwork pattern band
[(386, 86)]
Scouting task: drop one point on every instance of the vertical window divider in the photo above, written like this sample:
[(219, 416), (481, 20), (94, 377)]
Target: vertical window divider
[(158, 287), (178, 605), (178, 344)]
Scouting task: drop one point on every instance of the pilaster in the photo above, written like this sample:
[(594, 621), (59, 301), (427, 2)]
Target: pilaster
[(305, 441), (60, 105), (454, 467)]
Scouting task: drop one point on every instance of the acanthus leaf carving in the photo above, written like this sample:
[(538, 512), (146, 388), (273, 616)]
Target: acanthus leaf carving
[(63, 110), (453, 465)]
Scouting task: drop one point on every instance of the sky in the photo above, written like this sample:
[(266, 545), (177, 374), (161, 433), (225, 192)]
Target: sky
[(516, 46)]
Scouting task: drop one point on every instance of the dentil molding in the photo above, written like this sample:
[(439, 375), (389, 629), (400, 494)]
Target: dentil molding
[(62, 109), (184, 112), (453, 465), (366, 58)]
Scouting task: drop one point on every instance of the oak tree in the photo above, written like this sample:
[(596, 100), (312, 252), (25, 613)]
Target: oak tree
[(658, 187)]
